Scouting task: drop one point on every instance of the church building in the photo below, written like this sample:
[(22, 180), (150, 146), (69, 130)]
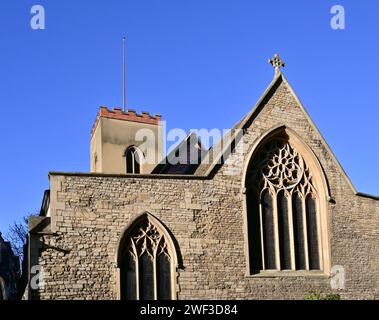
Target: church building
[(267, 212)]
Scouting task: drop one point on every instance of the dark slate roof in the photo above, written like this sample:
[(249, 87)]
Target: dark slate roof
[(184, 158)]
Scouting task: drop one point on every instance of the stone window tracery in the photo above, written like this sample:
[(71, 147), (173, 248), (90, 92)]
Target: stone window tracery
[(282, 204), (146, 268)]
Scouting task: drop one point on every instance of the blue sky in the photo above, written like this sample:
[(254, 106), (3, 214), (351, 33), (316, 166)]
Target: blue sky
[(199, 63)]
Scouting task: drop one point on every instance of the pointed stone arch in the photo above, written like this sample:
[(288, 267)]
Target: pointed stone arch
[(319, 187), (145, 241)]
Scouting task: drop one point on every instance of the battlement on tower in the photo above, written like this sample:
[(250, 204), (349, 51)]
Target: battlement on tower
[(130, 115)]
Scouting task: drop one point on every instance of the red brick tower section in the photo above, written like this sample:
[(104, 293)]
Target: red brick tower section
[(130, 115)]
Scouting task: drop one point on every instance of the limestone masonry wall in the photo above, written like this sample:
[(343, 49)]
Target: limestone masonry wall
[(206, 219)]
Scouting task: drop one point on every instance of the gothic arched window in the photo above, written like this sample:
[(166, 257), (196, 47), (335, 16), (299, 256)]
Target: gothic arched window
[(282, 208), (146, 264), (133, 159)]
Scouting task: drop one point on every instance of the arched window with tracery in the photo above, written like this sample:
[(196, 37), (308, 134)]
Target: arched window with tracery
[(133, 159), (146, 263), (282, 210)]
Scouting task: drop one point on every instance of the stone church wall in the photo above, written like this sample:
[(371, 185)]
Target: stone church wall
[(206, 218)]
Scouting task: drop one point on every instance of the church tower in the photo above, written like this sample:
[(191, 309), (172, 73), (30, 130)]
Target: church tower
[(125, 142)]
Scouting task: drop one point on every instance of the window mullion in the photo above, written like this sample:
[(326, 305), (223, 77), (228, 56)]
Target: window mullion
[(261, 233), (276, 230), (137, 268), (305, 231), (133, 162), (155, 275), (291, 232)]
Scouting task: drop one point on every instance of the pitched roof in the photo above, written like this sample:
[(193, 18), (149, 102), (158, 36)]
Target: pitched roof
[(184, 158), (215, 158)]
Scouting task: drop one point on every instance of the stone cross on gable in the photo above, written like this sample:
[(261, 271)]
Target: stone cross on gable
[(277, 63)]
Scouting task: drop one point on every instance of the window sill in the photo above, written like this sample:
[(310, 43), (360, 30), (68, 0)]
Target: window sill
[(288, 273)]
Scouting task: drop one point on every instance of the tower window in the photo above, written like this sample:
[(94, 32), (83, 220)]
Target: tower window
[(133, 159)]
